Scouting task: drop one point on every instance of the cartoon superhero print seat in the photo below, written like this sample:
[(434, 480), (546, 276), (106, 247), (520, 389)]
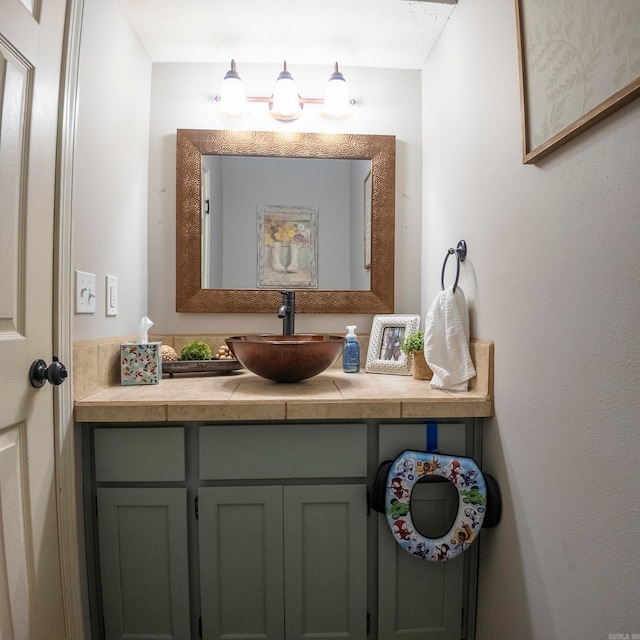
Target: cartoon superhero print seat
[(478, 501)]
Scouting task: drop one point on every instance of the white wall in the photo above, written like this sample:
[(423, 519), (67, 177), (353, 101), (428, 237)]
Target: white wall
[(110, 177), (183, 98), (552, 276)]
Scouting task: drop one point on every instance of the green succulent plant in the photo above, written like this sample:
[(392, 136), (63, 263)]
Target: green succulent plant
[(196, 351), (413, 342)]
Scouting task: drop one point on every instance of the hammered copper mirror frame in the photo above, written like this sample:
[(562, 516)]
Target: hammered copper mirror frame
[(194, 143)]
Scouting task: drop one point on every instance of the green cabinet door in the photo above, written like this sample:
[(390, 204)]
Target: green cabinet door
[(418, 599), (283, 563), (142, 536), (241, 562), (325, 550)]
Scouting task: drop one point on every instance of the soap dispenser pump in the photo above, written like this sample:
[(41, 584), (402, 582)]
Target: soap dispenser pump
[(351, 353)]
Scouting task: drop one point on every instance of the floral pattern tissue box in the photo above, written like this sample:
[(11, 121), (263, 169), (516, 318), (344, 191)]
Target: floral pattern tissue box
[(140, 363)]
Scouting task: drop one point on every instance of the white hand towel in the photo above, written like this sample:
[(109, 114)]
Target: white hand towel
[(446, 341)]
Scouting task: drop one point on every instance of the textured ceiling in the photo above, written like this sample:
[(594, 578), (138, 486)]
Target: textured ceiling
[(369, 33)]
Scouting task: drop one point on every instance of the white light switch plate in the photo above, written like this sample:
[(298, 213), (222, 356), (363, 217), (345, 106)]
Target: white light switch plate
[(111, 296), (85, 292)]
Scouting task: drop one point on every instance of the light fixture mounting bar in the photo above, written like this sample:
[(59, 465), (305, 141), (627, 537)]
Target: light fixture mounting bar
[(352, 101), (285, 104)]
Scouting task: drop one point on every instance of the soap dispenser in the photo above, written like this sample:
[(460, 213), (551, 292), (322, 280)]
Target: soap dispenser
[(351, 353)]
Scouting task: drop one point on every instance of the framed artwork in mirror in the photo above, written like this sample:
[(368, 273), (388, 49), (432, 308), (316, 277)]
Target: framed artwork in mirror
[(287, 247), (387, 334)]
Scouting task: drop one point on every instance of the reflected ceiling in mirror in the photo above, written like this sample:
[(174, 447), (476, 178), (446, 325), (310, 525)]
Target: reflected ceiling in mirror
[(378, 152)]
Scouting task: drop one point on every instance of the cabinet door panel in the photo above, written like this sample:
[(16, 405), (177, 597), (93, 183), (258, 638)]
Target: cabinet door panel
[(294, 451), (420, 600), (123, 454), (325, 561), (143, 563), (395, 438), (241, 570)]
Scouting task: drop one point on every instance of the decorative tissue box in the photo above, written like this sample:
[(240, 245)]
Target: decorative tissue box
[(140, 363)]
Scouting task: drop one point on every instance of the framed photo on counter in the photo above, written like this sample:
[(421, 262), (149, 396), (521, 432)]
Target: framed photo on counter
[(387, 334)]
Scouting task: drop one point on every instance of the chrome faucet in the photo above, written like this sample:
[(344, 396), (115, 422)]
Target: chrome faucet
[(287, 312)]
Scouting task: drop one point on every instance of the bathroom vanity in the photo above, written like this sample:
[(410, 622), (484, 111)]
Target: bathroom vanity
[(234, 507)]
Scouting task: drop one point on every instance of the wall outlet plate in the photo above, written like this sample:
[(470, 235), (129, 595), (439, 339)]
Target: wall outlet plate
[(85, 292), (111, 296)]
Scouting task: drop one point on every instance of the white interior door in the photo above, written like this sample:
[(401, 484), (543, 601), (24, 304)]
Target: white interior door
[(31, 33)]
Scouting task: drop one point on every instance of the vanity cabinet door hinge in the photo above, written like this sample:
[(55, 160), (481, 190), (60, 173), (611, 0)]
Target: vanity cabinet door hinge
[(368, 503), (196, 507)]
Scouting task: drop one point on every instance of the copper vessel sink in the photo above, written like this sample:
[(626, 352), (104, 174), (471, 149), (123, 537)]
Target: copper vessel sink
[(287, 358)]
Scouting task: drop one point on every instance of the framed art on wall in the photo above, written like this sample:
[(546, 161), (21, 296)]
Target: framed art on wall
[(579, 62)]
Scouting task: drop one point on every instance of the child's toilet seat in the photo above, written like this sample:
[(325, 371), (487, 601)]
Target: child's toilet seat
[(463, 473)]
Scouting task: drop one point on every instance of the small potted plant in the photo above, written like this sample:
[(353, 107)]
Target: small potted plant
[(413, 346)]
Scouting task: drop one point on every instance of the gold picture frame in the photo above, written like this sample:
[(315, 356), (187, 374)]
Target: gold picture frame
[(576, 68)]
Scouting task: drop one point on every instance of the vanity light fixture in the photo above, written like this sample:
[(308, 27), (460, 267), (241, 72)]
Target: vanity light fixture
[(285, 104), (232, 99), (336, 98)]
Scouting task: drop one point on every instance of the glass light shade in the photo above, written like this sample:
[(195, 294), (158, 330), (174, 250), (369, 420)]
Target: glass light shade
[(336, 99), (285, 102), (233, 101)]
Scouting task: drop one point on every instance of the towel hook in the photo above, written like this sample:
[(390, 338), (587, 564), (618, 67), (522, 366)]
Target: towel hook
[(461, 254)]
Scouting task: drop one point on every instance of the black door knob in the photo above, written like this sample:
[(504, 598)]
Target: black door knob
[(39, 373)]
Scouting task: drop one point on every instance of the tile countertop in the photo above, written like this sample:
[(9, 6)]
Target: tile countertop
[(241, 395)]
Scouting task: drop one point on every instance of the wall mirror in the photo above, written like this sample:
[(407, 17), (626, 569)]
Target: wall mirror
[(246, 226)]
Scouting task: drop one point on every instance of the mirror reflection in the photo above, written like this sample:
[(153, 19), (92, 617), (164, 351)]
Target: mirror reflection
[(285, 223), (327, 232)]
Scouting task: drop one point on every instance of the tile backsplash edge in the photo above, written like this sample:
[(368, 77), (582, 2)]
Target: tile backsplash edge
[(96, 363)]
